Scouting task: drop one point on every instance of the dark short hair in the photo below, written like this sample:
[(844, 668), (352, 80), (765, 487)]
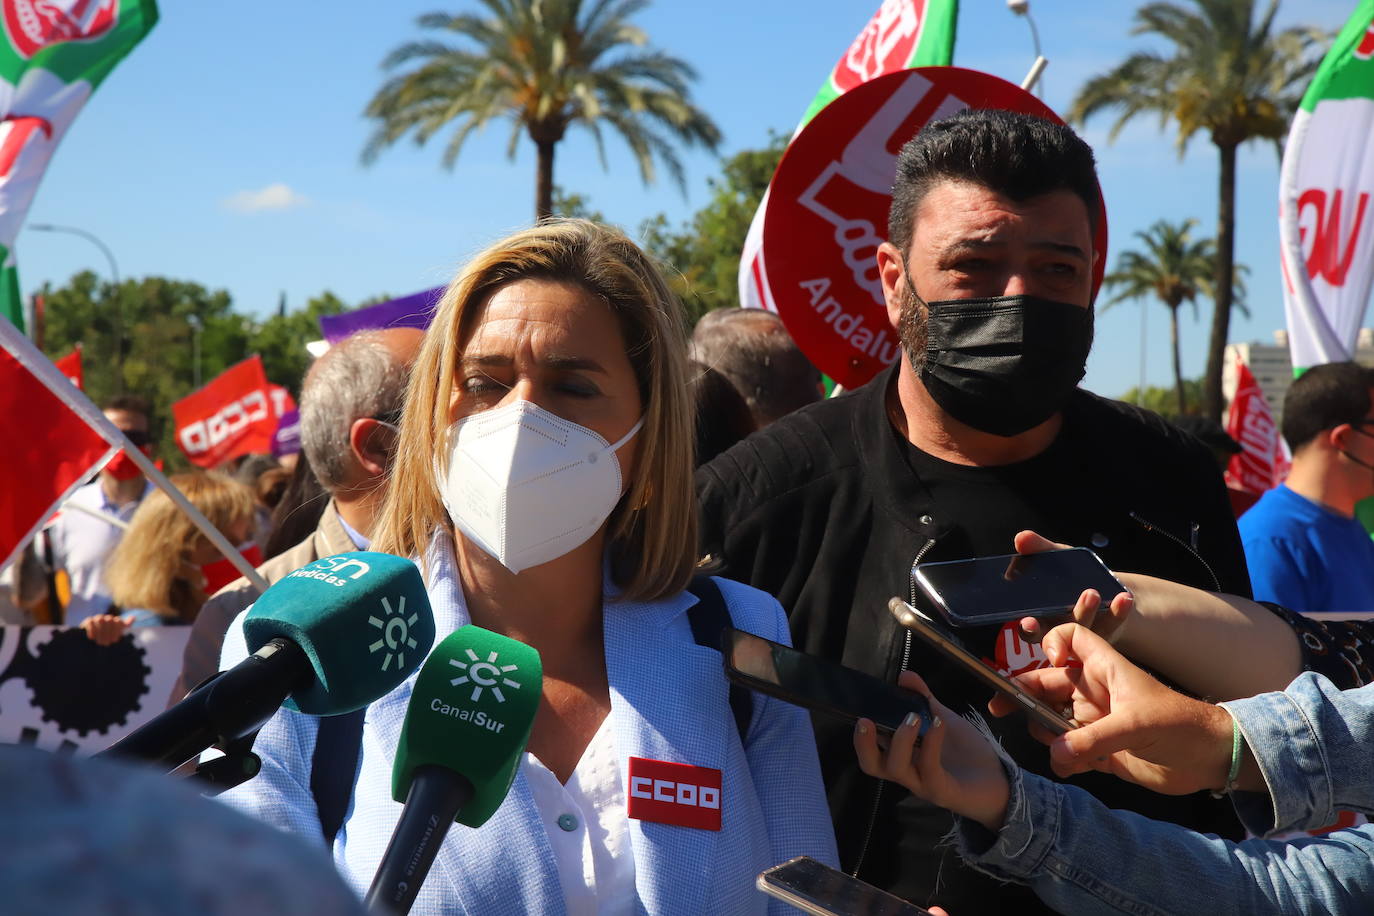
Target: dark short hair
[(1018, 155), (129, 403), (1323, 398)]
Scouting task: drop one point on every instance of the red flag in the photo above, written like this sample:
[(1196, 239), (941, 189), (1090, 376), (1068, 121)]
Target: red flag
[(1263, 461), (52, 442), (70, 366), (233, 415)]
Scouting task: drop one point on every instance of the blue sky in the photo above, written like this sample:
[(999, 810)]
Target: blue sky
[(225, 150)]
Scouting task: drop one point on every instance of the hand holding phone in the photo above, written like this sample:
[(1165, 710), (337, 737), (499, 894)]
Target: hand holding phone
[(945, 642), (994, 590)]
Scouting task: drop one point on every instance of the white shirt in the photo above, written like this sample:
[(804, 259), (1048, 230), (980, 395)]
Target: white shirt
[(588, 829), (81, 543)]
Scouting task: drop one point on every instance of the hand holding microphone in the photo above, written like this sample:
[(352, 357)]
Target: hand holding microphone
[(465, 732), (328, 639)]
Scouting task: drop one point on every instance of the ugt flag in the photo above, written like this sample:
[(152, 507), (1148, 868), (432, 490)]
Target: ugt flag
[(52, 442), (1262, 463), (1324, 201), (236, 414), (902, 34), (54, 55)]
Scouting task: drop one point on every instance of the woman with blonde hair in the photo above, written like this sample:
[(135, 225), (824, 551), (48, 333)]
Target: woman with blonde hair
[(544, 482), (154, 573)]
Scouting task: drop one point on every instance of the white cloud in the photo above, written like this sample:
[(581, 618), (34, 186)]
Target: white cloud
[(273, 197)]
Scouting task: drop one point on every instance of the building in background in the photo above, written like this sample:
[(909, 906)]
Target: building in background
[(1272, 366)]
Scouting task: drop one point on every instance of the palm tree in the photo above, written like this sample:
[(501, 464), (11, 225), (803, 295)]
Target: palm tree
[(1173, 268), (1229, 76), (545, 65)]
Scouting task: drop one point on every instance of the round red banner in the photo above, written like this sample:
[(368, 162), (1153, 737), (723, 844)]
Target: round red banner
[(828, 203)]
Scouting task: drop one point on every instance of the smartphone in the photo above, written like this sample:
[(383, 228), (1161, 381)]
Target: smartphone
[(991, 590), (819, 684), (927, 629), (814, 887)]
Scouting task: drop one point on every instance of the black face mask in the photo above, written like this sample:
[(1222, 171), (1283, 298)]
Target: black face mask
[(1006, 364)]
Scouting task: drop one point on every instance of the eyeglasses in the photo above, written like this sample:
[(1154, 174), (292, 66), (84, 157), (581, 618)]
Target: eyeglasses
[(138, 437)]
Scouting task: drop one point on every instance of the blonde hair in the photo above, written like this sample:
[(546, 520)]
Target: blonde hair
[(652, 531), (142, 571)]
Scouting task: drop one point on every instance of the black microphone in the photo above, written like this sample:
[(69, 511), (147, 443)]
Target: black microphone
[(328, 639), (465, 732)]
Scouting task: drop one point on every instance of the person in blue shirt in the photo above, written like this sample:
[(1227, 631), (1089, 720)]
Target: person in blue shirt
[(1303, 544)]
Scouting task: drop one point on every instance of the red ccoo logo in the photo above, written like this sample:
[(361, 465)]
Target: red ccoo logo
[(33, 25), (885, 44)]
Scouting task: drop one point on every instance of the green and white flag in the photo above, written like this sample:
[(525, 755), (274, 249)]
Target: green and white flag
[(54, 55), (902, 34), (1324, 201)]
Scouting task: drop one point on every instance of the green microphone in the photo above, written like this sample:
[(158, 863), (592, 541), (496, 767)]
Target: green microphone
[(465, 732), (362, 619), (327, 639)]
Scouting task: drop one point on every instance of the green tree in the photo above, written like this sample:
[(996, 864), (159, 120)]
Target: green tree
[(280, 340), (1228, 75), (159, 344), (1174, 268), (546, 65), (704, 252), (1163, 401)]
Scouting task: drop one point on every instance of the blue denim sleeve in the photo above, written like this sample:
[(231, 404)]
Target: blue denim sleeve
[(1081, 857), (1312, 742)]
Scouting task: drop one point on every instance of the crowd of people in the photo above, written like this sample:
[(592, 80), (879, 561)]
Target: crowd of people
[(569, 469)]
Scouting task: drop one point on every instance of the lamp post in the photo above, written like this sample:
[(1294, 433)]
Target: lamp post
[(1022, 8), (119, 305), (196, 327)]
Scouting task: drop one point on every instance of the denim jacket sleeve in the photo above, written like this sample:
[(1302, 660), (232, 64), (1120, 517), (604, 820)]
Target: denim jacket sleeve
[(1081, 857), (1313, 743)]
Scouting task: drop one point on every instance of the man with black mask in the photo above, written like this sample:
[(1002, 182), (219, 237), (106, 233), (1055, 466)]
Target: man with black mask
[(978, 432)]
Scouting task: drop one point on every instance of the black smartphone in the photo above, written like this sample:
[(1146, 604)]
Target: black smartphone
[(819, 684), (991, 590), (814, 887), (924, 627)]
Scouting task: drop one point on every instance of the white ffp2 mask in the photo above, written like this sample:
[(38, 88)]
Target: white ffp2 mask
[(527, 486)]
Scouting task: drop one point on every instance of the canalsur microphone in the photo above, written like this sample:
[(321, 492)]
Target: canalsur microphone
[(465, 732), (328, 639)]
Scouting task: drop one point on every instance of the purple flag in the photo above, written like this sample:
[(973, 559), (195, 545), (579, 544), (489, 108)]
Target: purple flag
[(413, 311)]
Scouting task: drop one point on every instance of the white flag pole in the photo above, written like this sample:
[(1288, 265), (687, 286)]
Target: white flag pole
[(32, 359)]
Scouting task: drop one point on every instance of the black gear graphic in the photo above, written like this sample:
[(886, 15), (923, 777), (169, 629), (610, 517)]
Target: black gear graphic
[(82, 687)]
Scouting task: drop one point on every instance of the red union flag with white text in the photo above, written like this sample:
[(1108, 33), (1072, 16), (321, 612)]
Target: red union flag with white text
[(53, 440), (54, 54), (1326, 219), (1263, 461), (236, 414), (828, 205), (901, 34)]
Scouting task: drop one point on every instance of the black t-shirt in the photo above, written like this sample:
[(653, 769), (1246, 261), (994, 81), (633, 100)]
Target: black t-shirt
[(828, 508)]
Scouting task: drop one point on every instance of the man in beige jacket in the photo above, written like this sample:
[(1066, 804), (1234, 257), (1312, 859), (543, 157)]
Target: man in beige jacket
[(350, 405)]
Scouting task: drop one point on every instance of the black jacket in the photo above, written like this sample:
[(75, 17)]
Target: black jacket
[(825, 510)]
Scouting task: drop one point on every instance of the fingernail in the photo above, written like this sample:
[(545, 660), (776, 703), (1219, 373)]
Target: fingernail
[(861, 728), (910, 720), (937, 723)]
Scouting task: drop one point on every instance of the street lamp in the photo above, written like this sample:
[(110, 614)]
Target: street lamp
[(119, 305), (1022, 8), (196, 327)]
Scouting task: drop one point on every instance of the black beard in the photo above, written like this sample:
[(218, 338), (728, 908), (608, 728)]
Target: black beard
[(911, 329)]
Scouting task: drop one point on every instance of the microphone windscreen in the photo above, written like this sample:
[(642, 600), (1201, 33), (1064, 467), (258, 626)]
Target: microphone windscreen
[(363, 619), (471, 712)]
